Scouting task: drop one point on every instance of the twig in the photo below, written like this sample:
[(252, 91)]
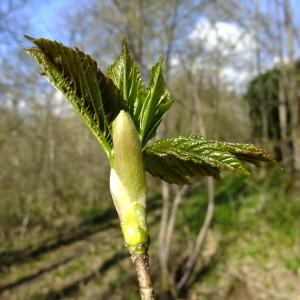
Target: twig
[(163, 260), (172, 219), (141, 263), (190, 265)]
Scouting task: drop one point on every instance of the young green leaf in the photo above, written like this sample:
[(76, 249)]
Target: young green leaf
[(126, 75), (249, 153), (157, 101), (175, 160), (146, 106), (76, 76)]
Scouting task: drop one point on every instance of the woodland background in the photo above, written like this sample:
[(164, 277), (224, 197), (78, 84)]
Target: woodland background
[(234, 69)]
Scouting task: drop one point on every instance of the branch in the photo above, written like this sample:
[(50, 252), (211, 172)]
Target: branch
[(171, 223), (141, 263), (190, 265), (163, 260)]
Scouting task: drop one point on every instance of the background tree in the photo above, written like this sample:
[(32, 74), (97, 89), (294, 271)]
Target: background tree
[(215, 48), (263, 94)]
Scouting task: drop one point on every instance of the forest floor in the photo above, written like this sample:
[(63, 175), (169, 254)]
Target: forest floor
[(57, 267), (258, 257), (71, 261)]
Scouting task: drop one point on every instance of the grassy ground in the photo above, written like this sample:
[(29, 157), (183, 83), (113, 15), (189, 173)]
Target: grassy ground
[(258, 226), (256, 231)]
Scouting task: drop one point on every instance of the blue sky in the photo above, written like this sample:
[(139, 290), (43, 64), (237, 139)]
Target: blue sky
[(47, 18), (45, 14)]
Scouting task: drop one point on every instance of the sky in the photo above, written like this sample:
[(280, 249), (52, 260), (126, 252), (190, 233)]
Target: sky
[(47, 20), (45, 14)]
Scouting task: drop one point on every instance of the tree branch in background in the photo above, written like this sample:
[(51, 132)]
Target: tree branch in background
[(190, 265)]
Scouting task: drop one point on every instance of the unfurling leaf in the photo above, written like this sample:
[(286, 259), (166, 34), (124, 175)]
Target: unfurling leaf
[(156, 102), (249, 153), (126, 75), (146, 106), (76, 76), (175, 160), (99, 99)]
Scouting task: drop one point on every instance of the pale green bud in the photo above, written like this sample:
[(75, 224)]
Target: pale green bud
[(128, 183)]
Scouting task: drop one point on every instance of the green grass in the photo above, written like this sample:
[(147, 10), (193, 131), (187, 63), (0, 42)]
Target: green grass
[(256, 218)]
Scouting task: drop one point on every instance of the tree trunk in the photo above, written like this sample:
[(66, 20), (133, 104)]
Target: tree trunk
[(293, 100)]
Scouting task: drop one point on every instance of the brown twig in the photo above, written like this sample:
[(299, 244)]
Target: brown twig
[(141, 263)]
